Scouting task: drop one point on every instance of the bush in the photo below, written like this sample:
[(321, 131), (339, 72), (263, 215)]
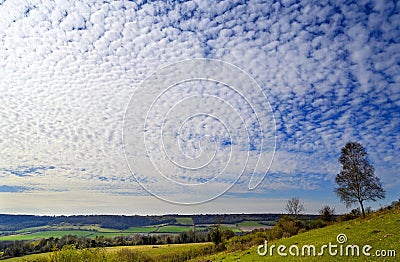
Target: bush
[(69, 253), (220, 235), (318, 223), (287, 226), (244, 242), (327, 213), (355, 213)]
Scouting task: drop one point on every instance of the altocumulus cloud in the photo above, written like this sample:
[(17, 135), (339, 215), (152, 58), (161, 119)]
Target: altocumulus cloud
[(68, 70)]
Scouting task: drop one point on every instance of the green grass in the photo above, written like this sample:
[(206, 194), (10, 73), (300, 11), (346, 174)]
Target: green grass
[(46, 234), (106, 230), (233, 228), (156, 252), (249, 224), (202, 228), (34, 257), (109, 234), (30, 229), (186, 221), (129, 231), (228, 225), (379, 230), (141, 229), (173, 229)]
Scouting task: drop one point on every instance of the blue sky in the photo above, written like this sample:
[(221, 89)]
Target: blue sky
[(329, 71)]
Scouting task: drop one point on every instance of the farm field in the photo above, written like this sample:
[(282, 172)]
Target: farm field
[(173, 229), (46, 234), (184, 221), (248, 226)]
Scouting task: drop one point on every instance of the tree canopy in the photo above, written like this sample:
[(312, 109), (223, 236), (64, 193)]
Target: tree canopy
[(357, 181)]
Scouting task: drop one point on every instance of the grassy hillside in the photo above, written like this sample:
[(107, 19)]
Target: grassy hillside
[(379, 230)]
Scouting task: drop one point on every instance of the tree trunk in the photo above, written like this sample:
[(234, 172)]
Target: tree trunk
[(362, 208)]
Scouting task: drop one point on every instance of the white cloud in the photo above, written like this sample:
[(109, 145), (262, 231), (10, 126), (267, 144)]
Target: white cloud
[(69, 69)]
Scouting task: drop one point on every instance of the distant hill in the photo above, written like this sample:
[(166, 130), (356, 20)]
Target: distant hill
[(18, 222)]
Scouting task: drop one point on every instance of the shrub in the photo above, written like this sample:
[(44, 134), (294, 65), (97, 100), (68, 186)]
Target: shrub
[(287, 226), (352, 215), (327, 213), (125, 254), (318, 223)]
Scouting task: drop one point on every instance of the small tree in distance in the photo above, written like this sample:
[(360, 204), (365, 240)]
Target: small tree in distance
[(357, 181), (327, 213), (294, 207)]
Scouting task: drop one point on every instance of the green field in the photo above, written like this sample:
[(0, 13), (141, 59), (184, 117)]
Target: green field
[(232, 227), (186, 221), (32, 229), (380, 231), (47, 234), (155, 250), (141, 229), (173, 229), (249, 224)]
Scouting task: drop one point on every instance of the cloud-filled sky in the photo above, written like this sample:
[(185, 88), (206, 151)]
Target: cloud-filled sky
[(329, 70)]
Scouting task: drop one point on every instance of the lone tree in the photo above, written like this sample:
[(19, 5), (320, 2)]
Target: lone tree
[(357, 181), (294, 207)]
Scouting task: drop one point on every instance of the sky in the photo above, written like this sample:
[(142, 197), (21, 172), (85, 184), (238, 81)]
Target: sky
[(122, 107)]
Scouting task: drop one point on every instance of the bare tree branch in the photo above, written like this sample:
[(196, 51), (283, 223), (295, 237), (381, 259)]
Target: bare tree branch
[(294, 207)]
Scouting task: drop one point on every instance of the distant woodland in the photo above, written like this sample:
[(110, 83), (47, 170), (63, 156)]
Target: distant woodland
[(17, 222)]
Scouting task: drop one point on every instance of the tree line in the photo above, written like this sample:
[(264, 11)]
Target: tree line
[(120, 222), (19, 248)]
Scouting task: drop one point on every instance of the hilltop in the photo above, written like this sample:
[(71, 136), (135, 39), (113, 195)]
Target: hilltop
[(378, 230)]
